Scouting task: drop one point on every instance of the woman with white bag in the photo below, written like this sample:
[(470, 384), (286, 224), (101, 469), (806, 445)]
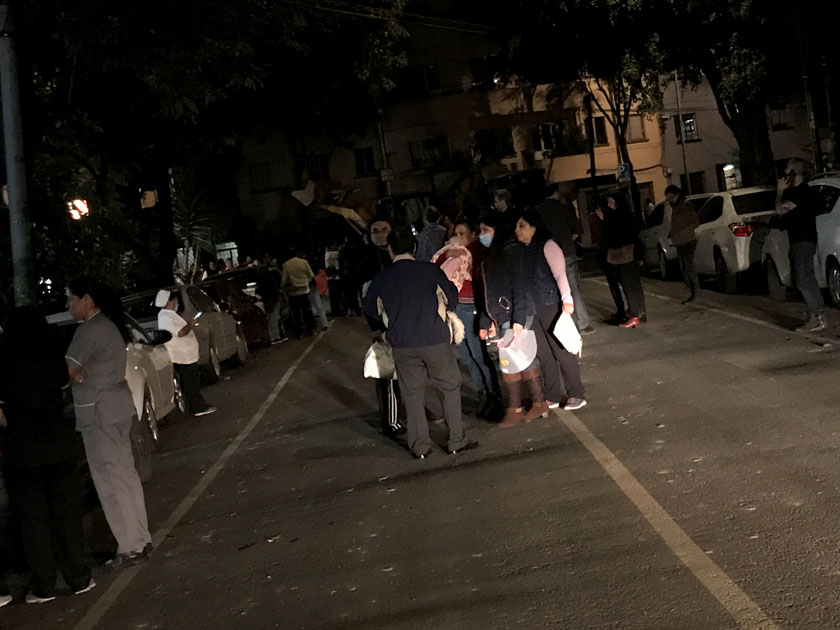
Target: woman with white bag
[(540, 285)]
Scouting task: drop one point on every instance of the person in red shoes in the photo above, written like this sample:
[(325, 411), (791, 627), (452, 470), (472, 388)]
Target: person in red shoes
[(619, 235)]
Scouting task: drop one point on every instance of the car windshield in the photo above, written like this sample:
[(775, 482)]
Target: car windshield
[(762, 201)]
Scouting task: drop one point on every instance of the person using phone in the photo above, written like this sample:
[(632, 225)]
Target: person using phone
[(183, 350)]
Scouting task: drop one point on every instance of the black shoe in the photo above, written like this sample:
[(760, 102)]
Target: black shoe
[(421, 455), (491, 400), (131, 558), (394, 432), (466, 447)]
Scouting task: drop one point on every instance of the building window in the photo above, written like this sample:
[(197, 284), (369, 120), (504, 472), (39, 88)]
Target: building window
[(728, 176), (636, 129), (548, 137), (600, 124), (268, 176), (365, 166), (432, 151), (687, 129), (780, 118), (316, 167), (496, 144), (698, 182)]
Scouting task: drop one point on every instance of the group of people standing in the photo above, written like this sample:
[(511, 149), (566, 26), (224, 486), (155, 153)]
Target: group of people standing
[(505, 274)]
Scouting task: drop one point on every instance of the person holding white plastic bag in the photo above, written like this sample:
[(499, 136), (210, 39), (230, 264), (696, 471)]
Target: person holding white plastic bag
[(540, 285)]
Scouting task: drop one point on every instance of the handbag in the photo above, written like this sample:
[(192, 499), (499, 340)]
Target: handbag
[(379, 361), (517, 352), (567, 334), (620, 255)]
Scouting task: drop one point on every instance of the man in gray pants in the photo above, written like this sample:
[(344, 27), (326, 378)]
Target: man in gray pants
[(562, 221), (405, 297)]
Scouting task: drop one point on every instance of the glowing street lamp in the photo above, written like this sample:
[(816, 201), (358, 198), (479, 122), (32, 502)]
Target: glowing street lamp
[(78, 209)]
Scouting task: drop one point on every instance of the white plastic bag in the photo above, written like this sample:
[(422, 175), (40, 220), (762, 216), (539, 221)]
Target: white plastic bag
[(517, 352), (379, 361), (567, 334)]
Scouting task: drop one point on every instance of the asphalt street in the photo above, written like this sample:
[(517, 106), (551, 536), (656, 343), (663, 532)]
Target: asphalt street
[(697, 490)]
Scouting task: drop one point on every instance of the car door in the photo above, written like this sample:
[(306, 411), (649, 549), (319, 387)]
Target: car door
[(651, 234), (708, 216), (156, 367), (222, 326), (828, 229)]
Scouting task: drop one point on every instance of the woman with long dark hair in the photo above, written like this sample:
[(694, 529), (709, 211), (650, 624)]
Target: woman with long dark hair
[(40, 455), (104, 414), (539, 288), (619, 236)]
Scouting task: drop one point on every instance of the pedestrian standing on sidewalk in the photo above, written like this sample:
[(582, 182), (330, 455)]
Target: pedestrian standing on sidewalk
[(183, 351), (798, 204), (297, 274), (333, 269), (40, 456), (619, 235), (405, 298), (464, 253), (268, 287), (105, 412), (542, 291), (683, 223), (562, 221)]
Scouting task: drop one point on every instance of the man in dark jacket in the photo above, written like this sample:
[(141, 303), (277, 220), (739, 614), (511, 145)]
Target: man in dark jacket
[(405, 298), (562, 221), (799, 205), (683, 223)]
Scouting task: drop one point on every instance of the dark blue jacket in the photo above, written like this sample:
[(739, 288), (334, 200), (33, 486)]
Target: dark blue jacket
[(408, 290), (497, 273), (534, 286)]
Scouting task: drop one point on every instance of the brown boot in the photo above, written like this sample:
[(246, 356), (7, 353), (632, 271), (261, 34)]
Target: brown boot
[(514, 414), (533, 379)]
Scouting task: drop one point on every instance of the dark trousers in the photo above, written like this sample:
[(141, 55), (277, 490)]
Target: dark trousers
[(804, 277), (48, 501), (685, 253), (631, 282), (302, 316), (191, 386), (613, 275), (560, 369), (437, 366), (336, 308)]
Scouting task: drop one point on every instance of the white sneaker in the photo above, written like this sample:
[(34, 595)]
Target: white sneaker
[(32, 598), (5, 599), (91, 585)]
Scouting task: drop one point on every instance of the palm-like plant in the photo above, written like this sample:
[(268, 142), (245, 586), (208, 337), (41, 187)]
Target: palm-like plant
[(196, 224)]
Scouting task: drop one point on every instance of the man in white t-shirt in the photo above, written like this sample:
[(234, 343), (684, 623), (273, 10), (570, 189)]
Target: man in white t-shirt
[(183, 351)]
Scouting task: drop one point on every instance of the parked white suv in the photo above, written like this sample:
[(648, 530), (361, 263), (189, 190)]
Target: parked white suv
[(660, 254), (733, 227), (776, 254)]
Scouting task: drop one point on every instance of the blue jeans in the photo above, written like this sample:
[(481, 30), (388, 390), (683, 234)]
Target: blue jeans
[(805, 277), (473, 353)]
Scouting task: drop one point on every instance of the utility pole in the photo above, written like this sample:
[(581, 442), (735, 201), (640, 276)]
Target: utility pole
[(19, 227), (681, 128), (809, 103), (590, 134)]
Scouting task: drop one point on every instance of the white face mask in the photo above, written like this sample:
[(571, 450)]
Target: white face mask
[(486, 239)]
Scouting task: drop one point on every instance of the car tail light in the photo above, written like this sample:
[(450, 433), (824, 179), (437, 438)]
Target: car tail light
[(741, 229)]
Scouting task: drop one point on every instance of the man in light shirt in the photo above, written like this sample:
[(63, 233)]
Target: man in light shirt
[(183, 351)]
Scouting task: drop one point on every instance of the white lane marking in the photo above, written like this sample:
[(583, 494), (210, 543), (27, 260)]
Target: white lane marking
[(730, 314), (110, 596), (737, 603)]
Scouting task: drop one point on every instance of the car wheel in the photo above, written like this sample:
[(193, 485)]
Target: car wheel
[(141, 449), (775, 288), (180, 401), (241, 350), (149, 419), (833, 282), (213, 369), (727, 282)]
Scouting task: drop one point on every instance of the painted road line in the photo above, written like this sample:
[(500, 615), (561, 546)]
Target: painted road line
[(110, 596), (737, 603)]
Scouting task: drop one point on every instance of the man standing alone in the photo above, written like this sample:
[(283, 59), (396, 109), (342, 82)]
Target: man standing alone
[(562, 221), (405, 297), (799, 205), (683, 223)]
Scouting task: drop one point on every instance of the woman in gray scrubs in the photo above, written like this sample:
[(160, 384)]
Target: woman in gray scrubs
[(104, 413)]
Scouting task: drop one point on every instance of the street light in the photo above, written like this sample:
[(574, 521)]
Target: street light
[(78, 208)]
